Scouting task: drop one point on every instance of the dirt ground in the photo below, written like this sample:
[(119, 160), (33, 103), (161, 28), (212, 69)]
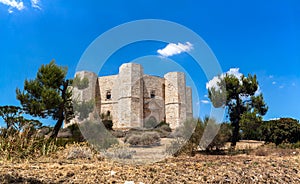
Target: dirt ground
[(198, 169), (276, 167)]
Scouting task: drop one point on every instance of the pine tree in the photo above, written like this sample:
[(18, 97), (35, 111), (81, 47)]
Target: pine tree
[(48, 95)]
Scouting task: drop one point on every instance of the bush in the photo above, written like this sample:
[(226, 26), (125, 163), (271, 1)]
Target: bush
[(151, 123), (144, 139), (118, 133), (283, 130), (79, 152), (187, 138), (97, 135), (224, 134), (164, 130), (120, 152)]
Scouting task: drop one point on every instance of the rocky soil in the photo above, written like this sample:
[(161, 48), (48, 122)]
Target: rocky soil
[(198, 169)]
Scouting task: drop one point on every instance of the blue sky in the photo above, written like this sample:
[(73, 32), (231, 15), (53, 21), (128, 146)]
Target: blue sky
[(258, 37)]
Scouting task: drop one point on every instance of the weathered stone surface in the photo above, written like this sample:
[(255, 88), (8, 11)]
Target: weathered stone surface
[(132, 98)]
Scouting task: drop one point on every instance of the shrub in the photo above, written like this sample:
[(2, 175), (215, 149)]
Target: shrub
[(118, 133), (283, 130), (187, 138), (164, 130), (144, 139), (119, 152), (97, 135), (224, 134), (151, 123), (79, 152)]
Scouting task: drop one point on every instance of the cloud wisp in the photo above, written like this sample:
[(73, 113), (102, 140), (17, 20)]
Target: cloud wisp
[(205, 101), (35, 4), (19, 5), (13, 4), (174, 49)]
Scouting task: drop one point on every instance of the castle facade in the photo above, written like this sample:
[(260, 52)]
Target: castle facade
[(132, 98)]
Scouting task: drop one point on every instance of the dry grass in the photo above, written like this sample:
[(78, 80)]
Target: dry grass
[(93, 168)]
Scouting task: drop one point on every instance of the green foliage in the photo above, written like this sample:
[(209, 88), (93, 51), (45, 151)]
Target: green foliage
[(75, 132), (48, 95), (251, 126), (283, 130), (238, 96), (80, 83), (195, 134), (224, 135), (83, 109), (12, 115), (187, 138)]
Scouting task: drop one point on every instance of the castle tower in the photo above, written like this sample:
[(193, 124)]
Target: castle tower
[(130, 99), (175, 98), (189, 105), (82, 93)]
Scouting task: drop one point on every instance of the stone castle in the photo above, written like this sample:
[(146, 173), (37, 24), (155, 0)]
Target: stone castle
[(132, 98)]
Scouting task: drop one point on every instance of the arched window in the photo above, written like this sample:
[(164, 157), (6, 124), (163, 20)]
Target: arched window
[(152, 94), (108, 95)]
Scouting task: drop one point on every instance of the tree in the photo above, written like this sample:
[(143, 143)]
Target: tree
[(48, 95), (251, 126), (283, 130), (12, 115), (238, 94)]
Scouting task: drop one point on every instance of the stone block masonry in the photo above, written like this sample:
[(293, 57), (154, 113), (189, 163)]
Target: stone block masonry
[(133, 99)]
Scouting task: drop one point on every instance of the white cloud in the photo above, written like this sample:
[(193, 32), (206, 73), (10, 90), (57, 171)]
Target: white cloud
[(13, 4), (271, 77), (205, 101), (294, 84), (214, 82), (258, 91), (35, 4), (174, 49), (205, 96), (232, 71), (273, 82)]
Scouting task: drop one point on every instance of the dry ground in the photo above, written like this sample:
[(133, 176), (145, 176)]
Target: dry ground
[(276, 167)]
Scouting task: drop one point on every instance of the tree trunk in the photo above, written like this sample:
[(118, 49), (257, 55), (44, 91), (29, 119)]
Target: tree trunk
[(236, 124), (61, 114), (235, 134), (57, 127)]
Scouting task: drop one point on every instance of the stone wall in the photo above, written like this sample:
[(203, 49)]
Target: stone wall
[(175, 98), (130, 101), (154, 99), (132, 98)]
